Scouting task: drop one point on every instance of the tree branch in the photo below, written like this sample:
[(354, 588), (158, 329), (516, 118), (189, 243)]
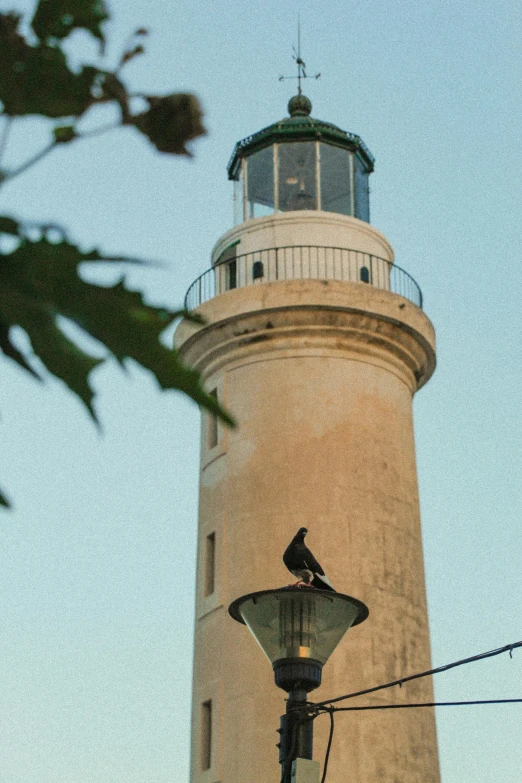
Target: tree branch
[(98, 131), (5, 135), (28, 163), (8, 175)]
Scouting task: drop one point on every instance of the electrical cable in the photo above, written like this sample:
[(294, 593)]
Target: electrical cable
[(329, 746), (423, 704), (320, 708), (481, 656), (331, 710)]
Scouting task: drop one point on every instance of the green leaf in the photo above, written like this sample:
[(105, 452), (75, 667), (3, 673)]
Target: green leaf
[(63, 358), (112, 89), (58, 18), (64, 133), (7, 347), (37, 79), (130, 54), (39, 282), (171, 122), (9, 226), (4, 501)]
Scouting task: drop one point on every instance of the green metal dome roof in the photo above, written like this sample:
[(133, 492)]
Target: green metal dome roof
[(298, 127)]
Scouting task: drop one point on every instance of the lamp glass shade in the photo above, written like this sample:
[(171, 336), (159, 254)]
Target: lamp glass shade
[(298, 622)]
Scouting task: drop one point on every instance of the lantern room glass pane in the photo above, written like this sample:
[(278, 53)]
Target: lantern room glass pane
[(336, 193), (362, 191), (297, 176), (238, 200), (260, 183)]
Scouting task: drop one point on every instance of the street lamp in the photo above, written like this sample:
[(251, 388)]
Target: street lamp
[(297, 628)]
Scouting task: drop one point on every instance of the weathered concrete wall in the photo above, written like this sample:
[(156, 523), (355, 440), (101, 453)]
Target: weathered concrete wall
[(320, 376)]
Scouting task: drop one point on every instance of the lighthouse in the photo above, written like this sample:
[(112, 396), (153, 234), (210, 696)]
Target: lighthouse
[(316, 341)]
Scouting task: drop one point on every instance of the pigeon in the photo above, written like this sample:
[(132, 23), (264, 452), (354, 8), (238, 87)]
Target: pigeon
[(301, 563)]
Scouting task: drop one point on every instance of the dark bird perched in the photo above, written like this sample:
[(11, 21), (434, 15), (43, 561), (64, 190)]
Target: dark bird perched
[(301, 563)]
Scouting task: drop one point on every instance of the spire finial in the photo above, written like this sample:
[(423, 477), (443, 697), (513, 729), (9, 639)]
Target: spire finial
[(301, 73), (300, 101)]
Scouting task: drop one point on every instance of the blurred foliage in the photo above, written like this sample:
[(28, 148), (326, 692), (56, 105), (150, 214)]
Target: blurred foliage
[(40, 281)]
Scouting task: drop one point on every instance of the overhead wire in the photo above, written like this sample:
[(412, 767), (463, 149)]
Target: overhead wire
[(472, 659), (320, 708), (422, 704), (313, 710)]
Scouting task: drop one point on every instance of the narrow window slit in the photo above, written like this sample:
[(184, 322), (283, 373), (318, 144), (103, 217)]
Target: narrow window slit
[(210, 564), (206, 735), (212, 425), (232, 274)]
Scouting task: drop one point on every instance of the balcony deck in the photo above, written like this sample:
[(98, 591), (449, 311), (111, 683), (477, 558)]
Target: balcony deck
[(302, 262)]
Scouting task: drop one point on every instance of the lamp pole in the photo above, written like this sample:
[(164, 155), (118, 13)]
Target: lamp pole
[(297, 629), (296, 734)]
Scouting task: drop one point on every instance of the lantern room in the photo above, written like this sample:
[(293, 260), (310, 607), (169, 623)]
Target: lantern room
[(301, 163)]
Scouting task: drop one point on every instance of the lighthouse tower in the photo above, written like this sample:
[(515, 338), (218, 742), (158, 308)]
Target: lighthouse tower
[(315, 341)]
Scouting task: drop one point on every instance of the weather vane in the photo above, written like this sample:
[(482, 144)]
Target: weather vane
[(301, 65)]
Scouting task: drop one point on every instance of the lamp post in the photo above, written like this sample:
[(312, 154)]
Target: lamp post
[(297, 628)]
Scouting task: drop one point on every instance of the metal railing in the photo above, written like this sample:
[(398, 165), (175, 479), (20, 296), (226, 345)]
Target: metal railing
[(302, 262)]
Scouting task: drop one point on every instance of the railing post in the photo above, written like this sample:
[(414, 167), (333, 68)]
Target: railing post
[(322, 263)]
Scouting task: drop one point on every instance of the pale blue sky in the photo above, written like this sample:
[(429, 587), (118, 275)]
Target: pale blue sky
[(97, 581)]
